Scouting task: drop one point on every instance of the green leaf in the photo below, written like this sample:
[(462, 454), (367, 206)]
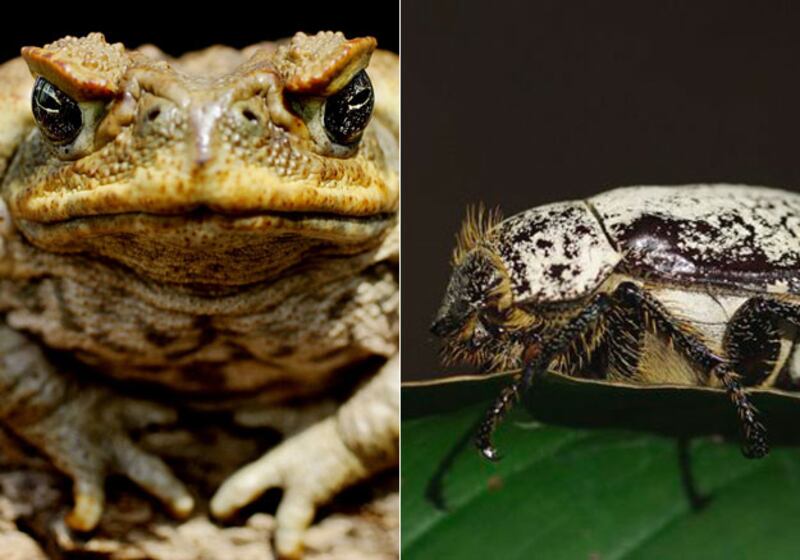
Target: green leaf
[(584, 492)]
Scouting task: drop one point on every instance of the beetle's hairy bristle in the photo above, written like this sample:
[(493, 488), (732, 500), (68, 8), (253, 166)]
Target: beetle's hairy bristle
[(501, 292), (579, 353), (519, 319), (477, 227), (506, 360), (498, 354), (493, 357)]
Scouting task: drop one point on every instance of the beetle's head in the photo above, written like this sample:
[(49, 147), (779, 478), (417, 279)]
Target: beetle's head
[(477, 319)]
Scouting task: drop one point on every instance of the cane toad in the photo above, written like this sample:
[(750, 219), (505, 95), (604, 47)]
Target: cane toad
[(217, 230)]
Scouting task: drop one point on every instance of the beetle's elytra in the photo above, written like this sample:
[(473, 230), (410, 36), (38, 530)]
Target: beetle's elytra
[(693, 285)]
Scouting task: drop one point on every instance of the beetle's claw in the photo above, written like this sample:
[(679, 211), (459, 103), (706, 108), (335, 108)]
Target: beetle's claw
[(756, 445), (756, 453), (756, 449), (489, 452)]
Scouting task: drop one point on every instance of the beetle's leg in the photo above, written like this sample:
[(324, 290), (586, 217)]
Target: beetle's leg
[(662, 322), (696, 351), (755, 434), (494, 415), (752, 337), (560, 343)]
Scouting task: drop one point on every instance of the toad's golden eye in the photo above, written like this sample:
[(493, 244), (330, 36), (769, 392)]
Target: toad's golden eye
[(347, 112), (58, 115)]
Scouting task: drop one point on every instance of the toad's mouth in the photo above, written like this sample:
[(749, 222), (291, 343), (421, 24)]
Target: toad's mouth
[(202, 222), (206, 246)]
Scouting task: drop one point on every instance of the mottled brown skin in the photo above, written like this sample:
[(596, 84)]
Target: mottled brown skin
[(204, 235)]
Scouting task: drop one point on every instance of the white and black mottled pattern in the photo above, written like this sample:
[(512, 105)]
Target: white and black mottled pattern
[(743, 237), (739, 236), (555, 252)]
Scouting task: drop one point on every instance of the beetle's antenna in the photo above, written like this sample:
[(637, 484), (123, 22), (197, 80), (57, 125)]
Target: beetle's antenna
[(477, 227)]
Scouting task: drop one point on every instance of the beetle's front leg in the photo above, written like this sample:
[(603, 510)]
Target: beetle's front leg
[(312, 466), (560, 343), (83, 429), (698, 353)]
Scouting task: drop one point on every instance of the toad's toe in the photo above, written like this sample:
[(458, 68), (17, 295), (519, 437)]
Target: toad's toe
[(310, 467)]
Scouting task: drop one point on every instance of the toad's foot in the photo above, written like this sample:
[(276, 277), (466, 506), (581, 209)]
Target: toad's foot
[(322, 460), (83, 429), (311, 468)]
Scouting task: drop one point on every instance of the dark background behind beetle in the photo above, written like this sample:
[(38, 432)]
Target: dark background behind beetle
[(522, 103), (196, 28)]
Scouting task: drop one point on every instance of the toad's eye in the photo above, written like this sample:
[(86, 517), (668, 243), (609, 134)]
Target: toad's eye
[(58, 115), (347, 112)]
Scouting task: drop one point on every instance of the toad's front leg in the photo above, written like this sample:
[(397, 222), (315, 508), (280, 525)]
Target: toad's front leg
[(83, 429), (314, 465)]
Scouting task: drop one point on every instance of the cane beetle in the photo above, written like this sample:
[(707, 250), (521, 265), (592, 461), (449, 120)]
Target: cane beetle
[(695, 285)]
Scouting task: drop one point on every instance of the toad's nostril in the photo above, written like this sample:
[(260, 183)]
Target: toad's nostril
[(154, 113), (250, 115)]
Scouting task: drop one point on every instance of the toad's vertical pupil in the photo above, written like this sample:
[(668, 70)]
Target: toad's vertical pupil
[(59, 117)]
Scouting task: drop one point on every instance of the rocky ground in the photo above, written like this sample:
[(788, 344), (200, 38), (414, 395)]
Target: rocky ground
[(363, 523)]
